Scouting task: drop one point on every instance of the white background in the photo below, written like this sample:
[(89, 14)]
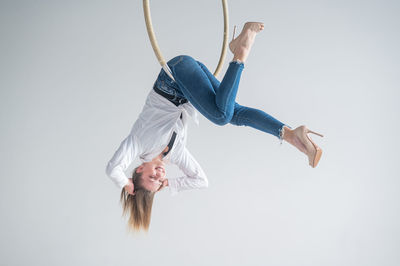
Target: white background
[(74, 76)]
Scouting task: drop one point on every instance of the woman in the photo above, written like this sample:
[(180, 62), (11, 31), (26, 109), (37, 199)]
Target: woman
[(159, 134)]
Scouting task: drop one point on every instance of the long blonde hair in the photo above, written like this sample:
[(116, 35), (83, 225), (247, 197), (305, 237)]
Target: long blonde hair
[(137, 206)]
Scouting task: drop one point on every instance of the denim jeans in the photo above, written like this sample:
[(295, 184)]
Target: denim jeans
[(213, 99)]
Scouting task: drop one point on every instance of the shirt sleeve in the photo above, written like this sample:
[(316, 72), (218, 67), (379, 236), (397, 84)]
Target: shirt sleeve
[(194, 178), (128, 150)]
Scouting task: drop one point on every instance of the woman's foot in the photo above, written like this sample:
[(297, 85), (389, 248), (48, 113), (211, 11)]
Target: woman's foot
[(298, 137), (241, 46)]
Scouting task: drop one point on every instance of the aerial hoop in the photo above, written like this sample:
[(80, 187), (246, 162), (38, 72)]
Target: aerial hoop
[(156, 48)]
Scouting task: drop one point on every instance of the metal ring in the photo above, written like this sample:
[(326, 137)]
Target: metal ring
[(156, 48)]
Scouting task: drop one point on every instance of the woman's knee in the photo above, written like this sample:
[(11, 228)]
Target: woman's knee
[(187, 58), (181, 59), (231, 116), (223, 119), (237, 118)]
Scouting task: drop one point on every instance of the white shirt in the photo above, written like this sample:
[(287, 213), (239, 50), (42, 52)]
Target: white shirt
[(149, 136)]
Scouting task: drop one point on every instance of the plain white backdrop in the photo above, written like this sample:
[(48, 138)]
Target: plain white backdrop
[(74, 76)]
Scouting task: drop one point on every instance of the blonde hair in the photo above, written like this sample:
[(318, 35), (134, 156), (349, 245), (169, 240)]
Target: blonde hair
[(137, 206)]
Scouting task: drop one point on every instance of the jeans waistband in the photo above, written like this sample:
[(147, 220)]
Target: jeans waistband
[(173, 99)]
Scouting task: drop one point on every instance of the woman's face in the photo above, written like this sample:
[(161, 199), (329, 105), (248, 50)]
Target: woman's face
[(153, 173)]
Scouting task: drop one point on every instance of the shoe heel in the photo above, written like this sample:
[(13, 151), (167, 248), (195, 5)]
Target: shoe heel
[(234, 31), (310, 131), (316, 158), (318, 152)]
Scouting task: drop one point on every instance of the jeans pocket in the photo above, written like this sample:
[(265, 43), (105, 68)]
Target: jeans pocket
[(165, 88)]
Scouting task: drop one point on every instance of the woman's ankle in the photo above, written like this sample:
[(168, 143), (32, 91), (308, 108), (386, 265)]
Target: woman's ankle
[(237, 61), (287, 133), (241, 54)]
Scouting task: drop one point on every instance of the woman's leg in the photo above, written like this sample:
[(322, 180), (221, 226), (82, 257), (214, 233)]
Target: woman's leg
[(216, 100), (258, 119), (242, 115), (247, 116), (217, 105)]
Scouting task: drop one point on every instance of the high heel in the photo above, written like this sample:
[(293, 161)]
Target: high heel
[(313, 161), (252, 28), (312, 150), (310, 131)]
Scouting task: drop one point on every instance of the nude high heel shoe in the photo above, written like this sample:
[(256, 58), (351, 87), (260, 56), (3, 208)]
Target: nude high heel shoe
[(312, 150), (241, 45)]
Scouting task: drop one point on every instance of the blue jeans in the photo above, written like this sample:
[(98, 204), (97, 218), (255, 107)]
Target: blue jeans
[(213, 99)]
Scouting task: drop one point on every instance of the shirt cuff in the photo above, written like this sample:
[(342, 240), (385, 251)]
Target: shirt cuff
[(121, 184), (173, 189)]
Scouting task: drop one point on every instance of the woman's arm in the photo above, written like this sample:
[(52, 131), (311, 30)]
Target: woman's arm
[(194, 175), (128, 150)]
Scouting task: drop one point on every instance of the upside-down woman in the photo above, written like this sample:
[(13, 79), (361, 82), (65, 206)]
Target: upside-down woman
[(159, 134)]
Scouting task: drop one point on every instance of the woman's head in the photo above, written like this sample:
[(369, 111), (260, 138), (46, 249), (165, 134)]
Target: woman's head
[(138, 206), (147, 179)]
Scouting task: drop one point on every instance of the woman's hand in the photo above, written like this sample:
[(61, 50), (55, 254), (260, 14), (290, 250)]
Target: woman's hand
[(130, 187), (163, 185)]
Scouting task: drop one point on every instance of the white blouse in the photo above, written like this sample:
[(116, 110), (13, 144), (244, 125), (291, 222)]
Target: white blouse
[(149, 136)]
